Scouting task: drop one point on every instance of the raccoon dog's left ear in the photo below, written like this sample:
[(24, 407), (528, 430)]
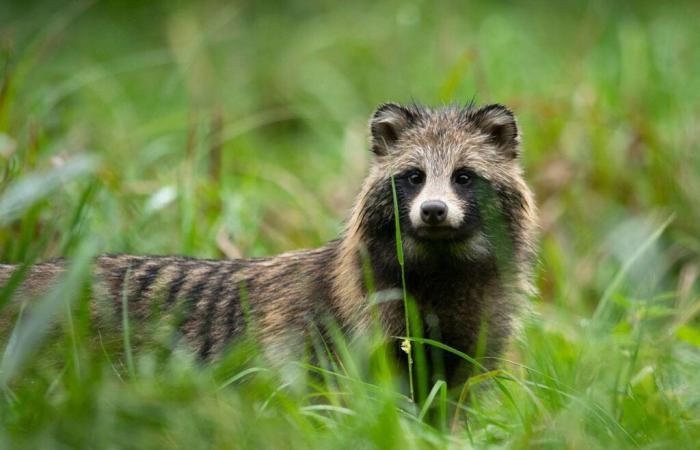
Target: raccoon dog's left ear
[(499, 123), (386, 125)]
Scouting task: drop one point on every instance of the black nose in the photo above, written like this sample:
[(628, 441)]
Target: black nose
[(433, 212)]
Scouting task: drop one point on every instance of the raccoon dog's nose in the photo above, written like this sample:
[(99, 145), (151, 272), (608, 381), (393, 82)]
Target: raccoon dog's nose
[(433, 212)]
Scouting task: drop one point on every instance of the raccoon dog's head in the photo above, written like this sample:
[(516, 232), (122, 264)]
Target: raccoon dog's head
[(456, 173)]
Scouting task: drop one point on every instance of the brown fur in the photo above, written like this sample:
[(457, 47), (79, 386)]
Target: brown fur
[(459, 287)]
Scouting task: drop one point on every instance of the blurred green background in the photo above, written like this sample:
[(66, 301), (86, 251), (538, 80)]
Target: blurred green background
[(225, 129)]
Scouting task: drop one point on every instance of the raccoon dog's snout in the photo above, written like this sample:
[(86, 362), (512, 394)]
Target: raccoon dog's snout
[(433, 212)]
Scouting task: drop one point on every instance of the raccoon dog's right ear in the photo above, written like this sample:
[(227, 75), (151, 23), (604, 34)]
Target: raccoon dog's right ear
[(386, 125)]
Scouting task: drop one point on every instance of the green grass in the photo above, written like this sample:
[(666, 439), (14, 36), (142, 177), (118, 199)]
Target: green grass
[(215, 130)]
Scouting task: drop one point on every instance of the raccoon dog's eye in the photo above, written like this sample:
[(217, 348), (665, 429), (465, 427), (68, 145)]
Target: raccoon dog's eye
[(462, 177), (415, 177)]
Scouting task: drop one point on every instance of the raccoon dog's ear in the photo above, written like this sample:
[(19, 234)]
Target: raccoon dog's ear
[(386, 125), (499, 123)]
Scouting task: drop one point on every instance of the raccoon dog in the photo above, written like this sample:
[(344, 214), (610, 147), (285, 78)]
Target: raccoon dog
[(467, 222)]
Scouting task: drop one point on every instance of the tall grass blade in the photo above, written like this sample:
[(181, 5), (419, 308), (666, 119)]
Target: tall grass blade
[(406, 343), (38, 318), (622, 273), (31, 188), (440, 387), (126, 329)]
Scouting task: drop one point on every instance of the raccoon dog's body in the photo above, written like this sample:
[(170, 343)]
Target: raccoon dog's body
[(468, 225)]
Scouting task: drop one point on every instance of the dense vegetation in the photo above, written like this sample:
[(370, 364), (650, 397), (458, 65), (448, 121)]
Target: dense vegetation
[(220, 130)]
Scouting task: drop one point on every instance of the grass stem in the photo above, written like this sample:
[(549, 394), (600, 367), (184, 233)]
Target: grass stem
[(406, 343)]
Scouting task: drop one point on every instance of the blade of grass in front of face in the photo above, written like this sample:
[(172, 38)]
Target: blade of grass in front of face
[(406, 343)]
